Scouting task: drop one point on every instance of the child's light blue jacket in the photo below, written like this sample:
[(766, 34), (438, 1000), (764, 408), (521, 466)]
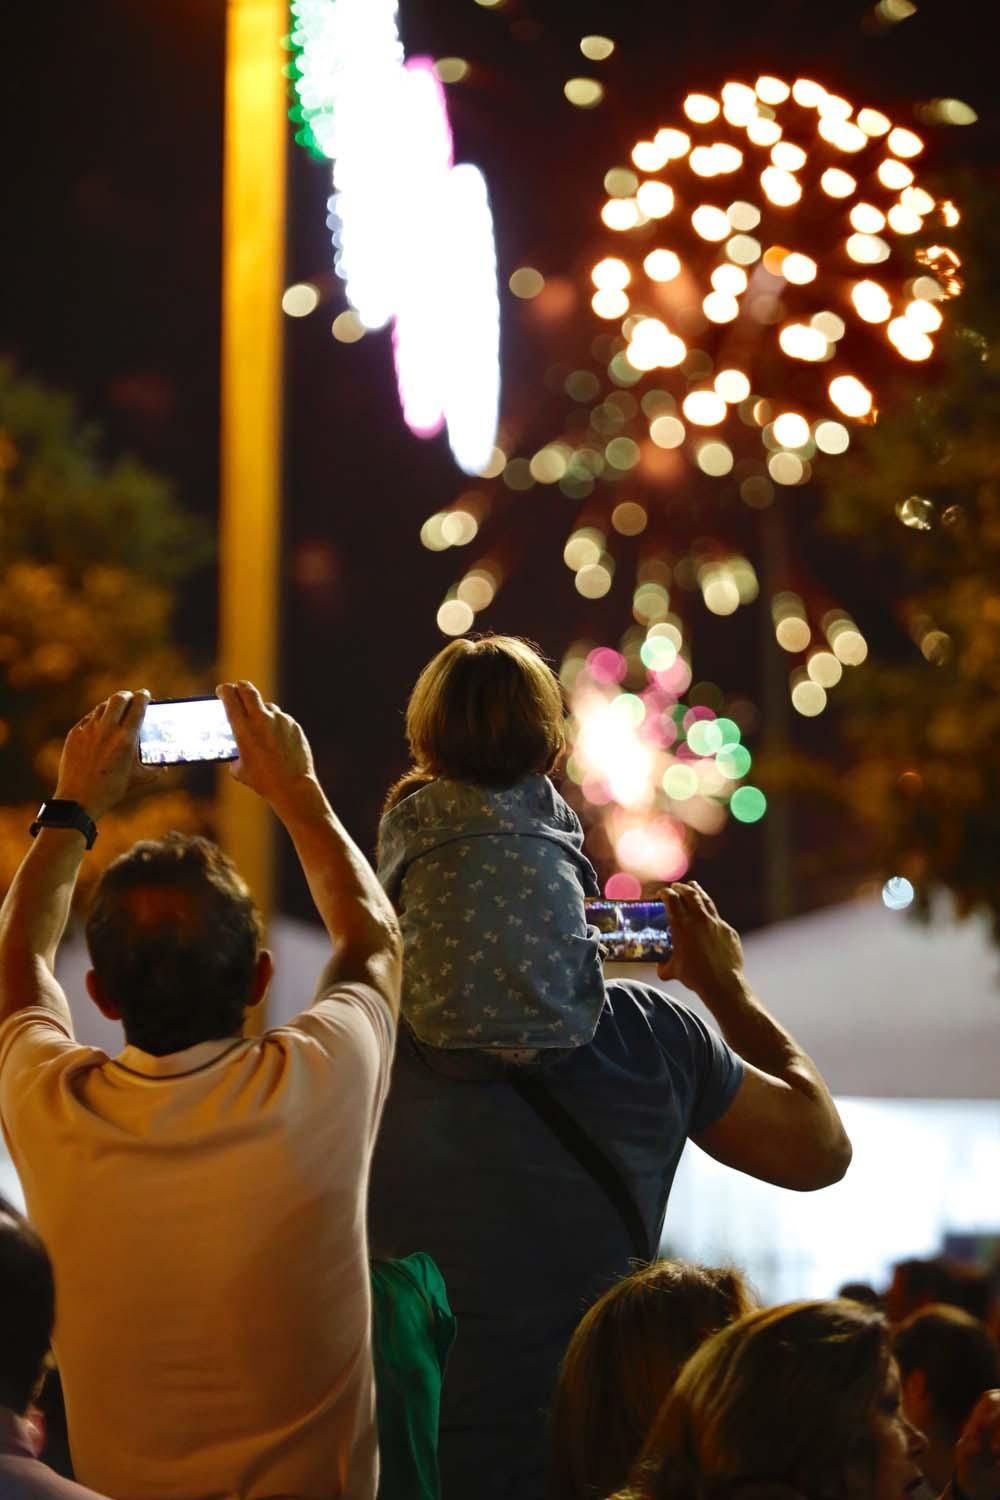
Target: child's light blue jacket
[(489, 886)]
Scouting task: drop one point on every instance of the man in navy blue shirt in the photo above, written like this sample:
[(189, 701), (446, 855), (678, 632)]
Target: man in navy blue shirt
[(524, 1232)]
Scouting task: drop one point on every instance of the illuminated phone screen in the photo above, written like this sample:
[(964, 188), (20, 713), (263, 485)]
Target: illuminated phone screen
[(183, 731), (631, 931)]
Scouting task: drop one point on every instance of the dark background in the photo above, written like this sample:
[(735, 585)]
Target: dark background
[(111, 119)]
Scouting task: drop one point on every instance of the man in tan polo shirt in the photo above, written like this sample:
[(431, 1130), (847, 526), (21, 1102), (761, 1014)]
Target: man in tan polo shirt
[(202, 1194)]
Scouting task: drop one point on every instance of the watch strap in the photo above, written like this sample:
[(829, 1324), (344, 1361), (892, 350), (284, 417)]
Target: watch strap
[(60, 813)]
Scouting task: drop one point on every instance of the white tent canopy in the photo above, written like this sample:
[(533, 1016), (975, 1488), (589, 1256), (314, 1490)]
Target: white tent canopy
[(904, 1022), (888, 1007)]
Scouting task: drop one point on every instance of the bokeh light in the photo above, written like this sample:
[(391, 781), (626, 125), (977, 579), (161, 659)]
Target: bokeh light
[(760, 264), (300, 300), (808, 697), (585, 93), (701, 108), (753, 243), (850, 396), (661, 265), (704, 408), (653, 769), (526, 282), (947, 112), (455, 617), (596, 48), (748, 804), (898, 893), (347, 327), (451, 69), (791, 430)]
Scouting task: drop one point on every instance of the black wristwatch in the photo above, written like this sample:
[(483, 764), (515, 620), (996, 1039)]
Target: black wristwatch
[(61, 814)]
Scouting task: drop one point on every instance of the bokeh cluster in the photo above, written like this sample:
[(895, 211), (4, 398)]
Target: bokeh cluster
[(766, 262)]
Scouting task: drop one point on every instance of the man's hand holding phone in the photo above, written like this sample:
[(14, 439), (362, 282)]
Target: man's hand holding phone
[(707, 955), (99, 762), (977, 1456), (275, 760)]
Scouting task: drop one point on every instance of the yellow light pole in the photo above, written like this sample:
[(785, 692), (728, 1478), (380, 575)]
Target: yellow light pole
[(253, 256)]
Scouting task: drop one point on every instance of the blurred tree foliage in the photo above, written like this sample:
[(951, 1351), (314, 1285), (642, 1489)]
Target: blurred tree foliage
[(918, 499), (90, 552)]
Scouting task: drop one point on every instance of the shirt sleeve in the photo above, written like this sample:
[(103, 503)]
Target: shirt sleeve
[(36, 1045), (351, 1021), (714, 1069)]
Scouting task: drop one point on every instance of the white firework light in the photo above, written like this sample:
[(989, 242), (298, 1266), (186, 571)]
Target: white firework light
[(399, 210)]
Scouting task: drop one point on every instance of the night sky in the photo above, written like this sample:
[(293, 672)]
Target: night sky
[(111, 116)]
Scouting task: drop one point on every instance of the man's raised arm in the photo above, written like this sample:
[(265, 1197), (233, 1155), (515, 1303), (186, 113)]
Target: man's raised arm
[(98, 766), (276, 762), (782, 1125)]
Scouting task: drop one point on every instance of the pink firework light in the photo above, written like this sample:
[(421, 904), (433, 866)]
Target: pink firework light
[(427, 156), (658, 771)]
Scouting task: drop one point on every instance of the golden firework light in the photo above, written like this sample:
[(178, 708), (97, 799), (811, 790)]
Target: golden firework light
[(769, 258), (771, 255)]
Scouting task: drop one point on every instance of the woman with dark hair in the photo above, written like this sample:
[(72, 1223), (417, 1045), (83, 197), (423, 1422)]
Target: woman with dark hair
[(623, 1360), (800, 1400)]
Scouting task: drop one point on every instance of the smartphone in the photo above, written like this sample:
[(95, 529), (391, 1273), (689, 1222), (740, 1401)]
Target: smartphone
[(631, 931), (183, 731)]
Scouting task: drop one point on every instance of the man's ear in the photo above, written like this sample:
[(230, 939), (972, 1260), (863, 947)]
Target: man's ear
[(100, 999), (263, 974)]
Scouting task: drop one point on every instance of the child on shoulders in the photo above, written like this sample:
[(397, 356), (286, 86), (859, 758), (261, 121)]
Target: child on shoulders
[(484, 860)]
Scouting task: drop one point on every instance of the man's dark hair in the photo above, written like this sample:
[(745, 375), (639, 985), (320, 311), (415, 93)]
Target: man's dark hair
[(970, 1290), (943, 1280), (923, 1281), (27, 1309), (957, 1356), (173, 936)]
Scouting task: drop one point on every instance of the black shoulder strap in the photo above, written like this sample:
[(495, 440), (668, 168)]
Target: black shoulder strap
[(586, 1151)]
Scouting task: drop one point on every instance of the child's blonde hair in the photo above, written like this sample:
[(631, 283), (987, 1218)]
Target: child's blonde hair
[(487, 711)]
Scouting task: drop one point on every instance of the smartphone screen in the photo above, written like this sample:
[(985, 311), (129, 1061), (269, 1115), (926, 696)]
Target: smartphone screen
[(631, 931), (182, 731)]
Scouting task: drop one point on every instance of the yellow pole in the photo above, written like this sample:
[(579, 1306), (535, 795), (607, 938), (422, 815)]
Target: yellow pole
[(253, 254)]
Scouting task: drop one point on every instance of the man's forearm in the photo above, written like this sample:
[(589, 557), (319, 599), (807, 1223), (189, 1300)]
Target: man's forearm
[(748, 1028), (34, 916), (753, 1032), (352, 905)]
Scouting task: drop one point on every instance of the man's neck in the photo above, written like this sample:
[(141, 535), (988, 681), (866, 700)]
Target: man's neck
[(19, 1433), (938, 1461), (170, 1064)]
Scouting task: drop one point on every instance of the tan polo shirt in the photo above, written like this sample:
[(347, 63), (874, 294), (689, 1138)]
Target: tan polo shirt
[(205, 1214)]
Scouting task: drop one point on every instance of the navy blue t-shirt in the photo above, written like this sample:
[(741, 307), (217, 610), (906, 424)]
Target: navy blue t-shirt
[(526, 1240)]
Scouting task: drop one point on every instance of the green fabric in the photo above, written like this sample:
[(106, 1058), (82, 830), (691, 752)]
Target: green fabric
[(413, 1329)]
